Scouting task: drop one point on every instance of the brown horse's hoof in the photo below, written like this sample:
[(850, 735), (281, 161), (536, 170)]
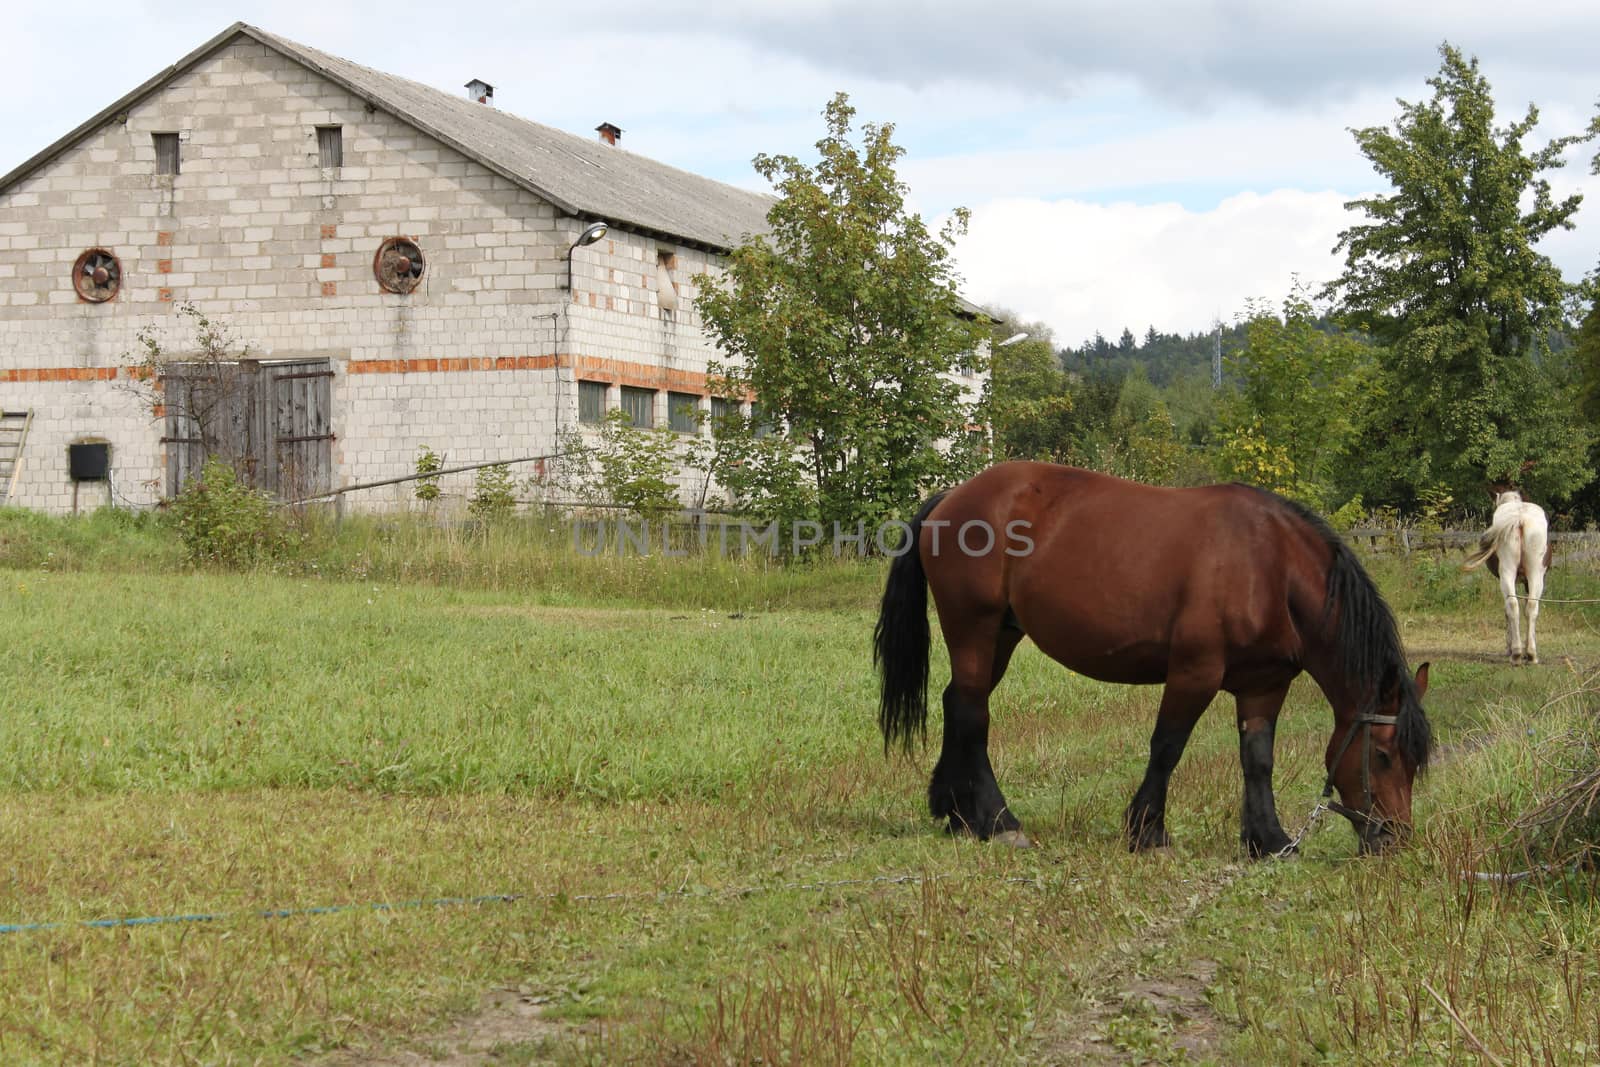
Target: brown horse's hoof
[(1012, 839)]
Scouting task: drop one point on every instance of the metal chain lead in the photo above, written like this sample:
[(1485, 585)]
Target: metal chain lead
[(1311, 821)]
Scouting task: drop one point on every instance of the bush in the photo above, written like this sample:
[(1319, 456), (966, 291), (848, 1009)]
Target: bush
[(428, 461), (494, 494), (223, 521)]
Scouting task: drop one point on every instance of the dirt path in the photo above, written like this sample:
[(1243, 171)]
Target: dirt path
[(507, 1020), (1126, 1017)]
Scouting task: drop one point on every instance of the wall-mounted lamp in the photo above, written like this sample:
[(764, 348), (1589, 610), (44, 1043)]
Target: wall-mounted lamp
[(592, 233)]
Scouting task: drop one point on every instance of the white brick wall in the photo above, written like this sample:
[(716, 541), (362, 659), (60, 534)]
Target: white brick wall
[(255, 233)]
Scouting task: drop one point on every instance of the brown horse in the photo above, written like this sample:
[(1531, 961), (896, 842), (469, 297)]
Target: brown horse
[(1218, 588)]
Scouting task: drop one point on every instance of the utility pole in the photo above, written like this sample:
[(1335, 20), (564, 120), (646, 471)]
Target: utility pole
[(1216, 359)]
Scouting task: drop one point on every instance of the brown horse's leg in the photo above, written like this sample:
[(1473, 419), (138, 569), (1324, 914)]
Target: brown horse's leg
[(1181, 708), (1011, 636), (1259, 828), (963, 788)]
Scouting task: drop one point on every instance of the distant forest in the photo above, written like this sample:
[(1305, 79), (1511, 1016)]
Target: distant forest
[(1165, 357)]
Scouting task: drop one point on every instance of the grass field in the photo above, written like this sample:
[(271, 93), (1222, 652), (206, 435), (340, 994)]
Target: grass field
[(673, 767)]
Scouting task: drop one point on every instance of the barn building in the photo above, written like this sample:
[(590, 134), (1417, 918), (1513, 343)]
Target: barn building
[(407, 266)]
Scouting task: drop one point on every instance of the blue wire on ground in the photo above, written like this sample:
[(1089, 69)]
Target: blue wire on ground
[(270, 913)]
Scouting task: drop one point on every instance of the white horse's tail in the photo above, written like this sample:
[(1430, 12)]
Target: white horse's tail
[(1497, 532)]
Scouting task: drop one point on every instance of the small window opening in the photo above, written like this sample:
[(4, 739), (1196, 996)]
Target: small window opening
[(721, 409), (683, 412), (166, 152), (591, 402), (330, 146), (640, 404), (761, 423)]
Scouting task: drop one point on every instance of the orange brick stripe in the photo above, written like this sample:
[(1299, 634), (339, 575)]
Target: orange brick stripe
[(611, 371), (58, 374), (640, 375), (414, 366)]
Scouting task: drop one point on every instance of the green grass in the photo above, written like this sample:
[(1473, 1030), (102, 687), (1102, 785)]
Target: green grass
[(531, 556), (715, 861)]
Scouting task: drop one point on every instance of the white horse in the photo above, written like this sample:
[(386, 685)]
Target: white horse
[(1517, 548)]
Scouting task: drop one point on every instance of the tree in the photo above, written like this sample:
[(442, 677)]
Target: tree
[(1445, 275), (1287, 421), (202, 393), (1029, 407), (845, 322), (1586, 356)]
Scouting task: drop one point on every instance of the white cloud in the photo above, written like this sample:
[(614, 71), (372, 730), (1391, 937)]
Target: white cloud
[(1081, 267)]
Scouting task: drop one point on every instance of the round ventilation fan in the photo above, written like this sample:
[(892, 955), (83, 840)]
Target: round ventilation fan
[(398, 265), (97, 275)]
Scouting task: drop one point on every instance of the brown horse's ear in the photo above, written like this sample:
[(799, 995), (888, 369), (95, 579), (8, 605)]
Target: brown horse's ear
[(1422, 681)]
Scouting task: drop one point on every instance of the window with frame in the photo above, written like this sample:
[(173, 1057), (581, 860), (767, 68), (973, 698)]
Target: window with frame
[(592, 402), (330, 146), (640, 404), (166, 145), (721, 408), (683, 412), (761, 424)]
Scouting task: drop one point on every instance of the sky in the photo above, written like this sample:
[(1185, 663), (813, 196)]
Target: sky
[(1127, 165)]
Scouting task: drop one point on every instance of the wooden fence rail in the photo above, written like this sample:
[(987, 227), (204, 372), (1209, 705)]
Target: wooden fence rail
[(1379, 541)]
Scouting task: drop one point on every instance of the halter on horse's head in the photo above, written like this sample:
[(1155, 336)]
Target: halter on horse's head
[(1375, 763)]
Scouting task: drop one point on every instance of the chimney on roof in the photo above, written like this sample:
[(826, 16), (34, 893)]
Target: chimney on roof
[(481, 91), (609, 133)]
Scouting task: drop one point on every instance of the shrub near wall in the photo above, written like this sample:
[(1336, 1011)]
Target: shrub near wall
[(223, 521)]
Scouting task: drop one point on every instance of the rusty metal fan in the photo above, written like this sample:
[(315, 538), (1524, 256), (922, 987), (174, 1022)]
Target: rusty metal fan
[(398, 265), (97, 276)]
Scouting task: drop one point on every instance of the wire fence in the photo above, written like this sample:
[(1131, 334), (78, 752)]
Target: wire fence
[(1381, 540)]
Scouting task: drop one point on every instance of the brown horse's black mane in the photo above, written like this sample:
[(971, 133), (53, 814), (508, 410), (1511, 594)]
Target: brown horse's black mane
[(1364, 632)]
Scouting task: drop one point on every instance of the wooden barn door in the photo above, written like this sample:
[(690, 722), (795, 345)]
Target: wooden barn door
[(272, 422), (296, 407), (210, 411)]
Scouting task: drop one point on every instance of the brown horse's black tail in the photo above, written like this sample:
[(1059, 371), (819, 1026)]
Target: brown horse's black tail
[(900, 642)]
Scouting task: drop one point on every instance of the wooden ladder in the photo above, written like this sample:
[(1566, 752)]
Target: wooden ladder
[(13, 436)]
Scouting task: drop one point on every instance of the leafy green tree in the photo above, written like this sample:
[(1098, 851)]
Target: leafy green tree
[(494, 494), (1444, 274), (1125, 429), (1288, 419), (1190, 398), (1029, 406), (1586, 357), (845, 322), (762, 474)]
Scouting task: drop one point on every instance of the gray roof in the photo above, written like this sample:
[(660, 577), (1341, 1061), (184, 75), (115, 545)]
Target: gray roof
[(581, 176)]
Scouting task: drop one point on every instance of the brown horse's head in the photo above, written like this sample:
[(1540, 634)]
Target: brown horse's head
[(1374, 773)]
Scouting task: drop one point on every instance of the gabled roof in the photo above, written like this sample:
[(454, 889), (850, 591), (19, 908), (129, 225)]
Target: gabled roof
[(582, 177)]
